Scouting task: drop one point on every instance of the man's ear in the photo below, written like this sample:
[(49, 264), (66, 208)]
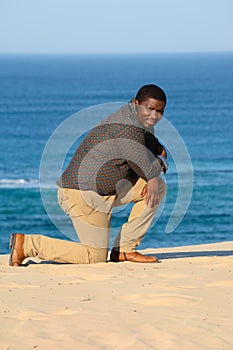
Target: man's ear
[(136, 102)]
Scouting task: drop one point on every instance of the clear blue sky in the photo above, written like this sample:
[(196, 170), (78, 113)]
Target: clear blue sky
[(115, 26)]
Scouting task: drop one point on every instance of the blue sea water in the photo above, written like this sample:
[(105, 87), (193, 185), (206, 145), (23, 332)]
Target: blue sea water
[(39, 92)]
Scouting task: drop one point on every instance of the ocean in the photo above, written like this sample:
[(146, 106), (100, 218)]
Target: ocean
[(39, 92)]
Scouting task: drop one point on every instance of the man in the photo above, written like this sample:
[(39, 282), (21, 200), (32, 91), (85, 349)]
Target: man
[(118, 162)]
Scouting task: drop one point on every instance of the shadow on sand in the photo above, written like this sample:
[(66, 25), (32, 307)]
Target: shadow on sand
[(180, 255), (161, 256)]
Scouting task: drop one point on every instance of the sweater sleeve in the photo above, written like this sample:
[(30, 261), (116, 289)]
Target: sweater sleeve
[(132, 148), (153, 144)]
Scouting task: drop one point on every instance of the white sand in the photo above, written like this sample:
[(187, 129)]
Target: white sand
[(183, 303)]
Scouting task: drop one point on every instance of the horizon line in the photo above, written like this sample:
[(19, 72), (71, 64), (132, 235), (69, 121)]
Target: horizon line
[(113, 53)]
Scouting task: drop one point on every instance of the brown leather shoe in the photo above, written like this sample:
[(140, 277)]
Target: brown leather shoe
[(17, 251), (136, 257)]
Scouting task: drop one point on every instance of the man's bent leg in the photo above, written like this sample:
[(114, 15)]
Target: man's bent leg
[(139, 219), (91, 223)]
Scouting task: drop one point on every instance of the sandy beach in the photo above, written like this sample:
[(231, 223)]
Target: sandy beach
[(184, 302)]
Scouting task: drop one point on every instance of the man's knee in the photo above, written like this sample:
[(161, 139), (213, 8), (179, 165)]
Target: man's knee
[(97, 255)]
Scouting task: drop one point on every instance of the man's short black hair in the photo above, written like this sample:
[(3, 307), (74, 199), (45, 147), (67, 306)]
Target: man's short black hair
[(151, 91)]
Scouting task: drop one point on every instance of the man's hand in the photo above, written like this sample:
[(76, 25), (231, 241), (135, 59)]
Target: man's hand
[(151, 191)]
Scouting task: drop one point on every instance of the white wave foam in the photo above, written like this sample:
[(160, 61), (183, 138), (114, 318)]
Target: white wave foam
[(18, 183)]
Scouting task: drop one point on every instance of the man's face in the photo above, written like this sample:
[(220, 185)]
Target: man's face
[(150, 112)]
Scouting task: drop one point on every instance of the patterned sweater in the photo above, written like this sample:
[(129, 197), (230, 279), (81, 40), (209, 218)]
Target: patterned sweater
[(116, 149)]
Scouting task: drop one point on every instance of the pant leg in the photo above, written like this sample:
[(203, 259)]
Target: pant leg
[(90, 215), (53, 249), (139, 219)]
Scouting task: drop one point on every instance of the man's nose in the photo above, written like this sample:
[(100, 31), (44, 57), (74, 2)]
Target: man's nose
[(154, 114)]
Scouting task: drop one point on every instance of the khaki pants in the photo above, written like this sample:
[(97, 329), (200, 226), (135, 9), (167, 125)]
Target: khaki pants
[(91, 214)]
